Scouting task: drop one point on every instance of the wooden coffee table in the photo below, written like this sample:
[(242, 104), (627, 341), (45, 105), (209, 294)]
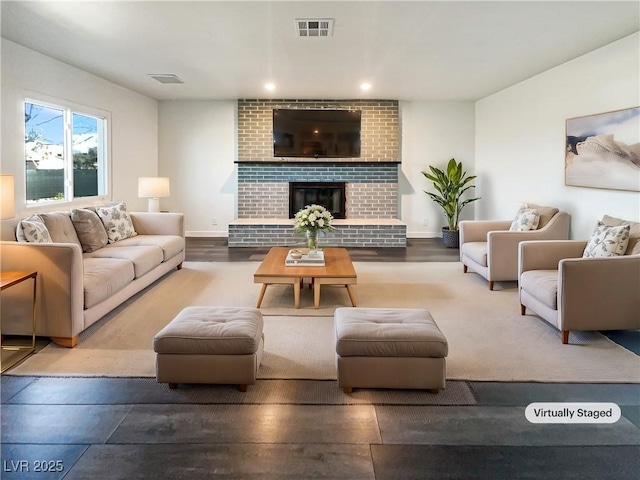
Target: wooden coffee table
[(338, 270)]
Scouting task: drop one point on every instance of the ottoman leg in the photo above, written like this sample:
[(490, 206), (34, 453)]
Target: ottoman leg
[(242, 387), (348, 389), (172, 385), (433, 390)]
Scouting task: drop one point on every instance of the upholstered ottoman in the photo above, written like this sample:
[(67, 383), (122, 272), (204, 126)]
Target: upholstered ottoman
[(389, 348), (210, 345)]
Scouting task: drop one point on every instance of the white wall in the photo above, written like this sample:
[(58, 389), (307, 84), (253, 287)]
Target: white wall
[(515, 142), (431, 134), (134, 119), (197, 144), (520, 137)]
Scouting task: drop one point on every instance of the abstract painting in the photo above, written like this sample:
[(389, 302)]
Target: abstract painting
[(603, 150)]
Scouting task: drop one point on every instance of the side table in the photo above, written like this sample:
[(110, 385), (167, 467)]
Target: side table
[(12, 354)]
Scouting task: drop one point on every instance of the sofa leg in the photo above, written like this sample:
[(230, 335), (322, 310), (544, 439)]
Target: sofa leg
[(464, 268), (179, 267), (433, 390), (242, 387), (523, 309), (490, 284), (172, 385), (348, 389), (565, 337), (68, 342)]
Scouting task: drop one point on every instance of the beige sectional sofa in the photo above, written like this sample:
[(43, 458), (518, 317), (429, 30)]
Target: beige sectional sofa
[(76, 288)]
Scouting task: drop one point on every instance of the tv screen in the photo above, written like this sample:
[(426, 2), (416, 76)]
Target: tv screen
[(316, 133)]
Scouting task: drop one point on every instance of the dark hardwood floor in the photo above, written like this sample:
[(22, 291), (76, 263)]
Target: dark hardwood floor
[(200, 249)]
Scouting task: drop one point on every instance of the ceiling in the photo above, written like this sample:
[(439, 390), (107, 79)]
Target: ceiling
[(421, 50)]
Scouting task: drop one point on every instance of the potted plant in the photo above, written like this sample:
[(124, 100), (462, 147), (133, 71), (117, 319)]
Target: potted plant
[(450, 185)]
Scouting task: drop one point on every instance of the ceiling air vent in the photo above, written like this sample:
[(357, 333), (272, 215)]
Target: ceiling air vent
[(314, 27), (166, 77)]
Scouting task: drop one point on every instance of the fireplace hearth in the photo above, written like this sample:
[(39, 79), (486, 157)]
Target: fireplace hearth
[(330, 195)]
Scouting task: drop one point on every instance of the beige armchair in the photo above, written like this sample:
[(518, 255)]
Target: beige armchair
[(575, 293), (491, 250)]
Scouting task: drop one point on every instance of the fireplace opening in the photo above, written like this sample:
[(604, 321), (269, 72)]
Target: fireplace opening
[(331, 195)]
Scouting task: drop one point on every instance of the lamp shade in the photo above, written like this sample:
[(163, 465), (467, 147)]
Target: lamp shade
[(153, 187), (7, 200)]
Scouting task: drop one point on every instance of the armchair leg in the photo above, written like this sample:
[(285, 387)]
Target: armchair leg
[(565, 337), (523, 309), (490, 284), (464, 268)]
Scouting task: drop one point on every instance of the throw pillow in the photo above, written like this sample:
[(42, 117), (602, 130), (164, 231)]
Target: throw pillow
[(35, 231), (634, 233), (607, 241), (117, 222), (526, 219), (546, 213), (60, 227), (90, 229)]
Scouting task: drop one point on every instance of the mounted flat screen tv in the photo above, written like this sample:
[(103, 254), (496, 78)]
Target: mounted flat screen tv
[(316, 133)]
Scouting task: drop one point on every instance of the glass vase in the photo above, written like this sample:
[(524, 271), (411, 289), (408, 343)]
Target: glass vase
[(312, 240)]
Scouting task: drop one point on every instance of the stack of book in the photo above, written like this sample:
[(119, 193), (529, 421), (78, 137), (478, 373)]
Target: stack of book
[(316, 259)]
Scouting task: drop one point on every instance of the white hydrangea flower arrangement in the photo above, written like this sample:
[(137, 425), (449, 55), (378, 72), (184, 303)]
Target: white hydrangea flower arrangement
[(313, 218)]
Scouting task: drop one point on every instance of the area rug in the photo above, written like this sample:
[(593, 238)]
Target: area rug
[(488, 338)]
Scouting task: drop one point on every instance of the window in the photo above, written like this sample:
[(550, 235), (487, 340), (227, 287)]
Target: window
[(65, 152)]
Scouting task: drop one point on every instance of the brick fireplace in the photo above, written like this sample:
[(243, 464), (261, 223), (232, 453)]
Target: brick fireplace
[(371, 181)]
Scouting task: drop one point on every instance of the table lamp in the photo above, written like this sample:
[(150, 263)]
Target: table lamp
[(153, 188), (7, 201)]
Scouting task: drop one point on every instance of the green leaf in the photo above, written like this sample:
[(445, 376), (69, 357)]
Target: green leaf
[(450, 185)]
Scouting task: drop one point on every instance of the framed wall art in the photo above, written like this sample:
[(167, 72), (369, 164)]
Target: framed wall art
[(603, 150)]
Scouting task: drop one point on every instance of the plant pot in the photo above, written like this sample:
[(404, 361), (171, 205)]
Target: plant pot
[(450, 238)]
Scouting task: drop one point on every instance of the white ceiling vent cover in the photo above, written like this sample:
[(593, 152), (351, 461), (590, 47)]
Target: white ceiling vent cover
[(314, 27), (166, 77)]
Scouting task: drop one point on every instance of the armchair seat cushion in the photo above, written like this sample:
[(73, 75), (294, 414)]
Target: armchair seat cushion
[(542, 285), (476, 251)]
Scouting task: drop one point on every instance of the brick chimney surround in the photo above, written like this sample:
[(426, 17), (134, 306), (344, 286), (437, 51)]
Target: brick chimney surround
[(371, 181)]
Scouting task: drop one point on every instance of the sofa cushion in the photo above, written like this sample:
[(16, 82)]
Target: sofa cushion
[(90, 229), (633, 248), (171, 245), (546, 213), (34, 231), (476, 251), (60, 227), (117, 222), (526, 219), (144, 259), (542, 285), (103, 277), (607, 241)]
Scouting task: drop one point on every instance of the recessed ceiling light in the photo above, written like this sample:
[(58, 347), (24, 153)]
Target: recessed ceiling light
[(166, 77), (365, 86), (269, 86)]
